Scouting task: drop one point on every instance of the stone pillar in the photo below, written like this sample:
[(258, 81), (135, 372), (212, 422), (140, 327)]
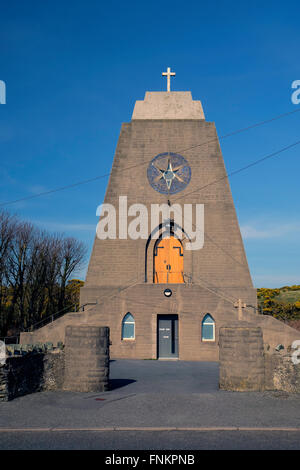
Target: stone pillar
[(241, 357), (86, 358)]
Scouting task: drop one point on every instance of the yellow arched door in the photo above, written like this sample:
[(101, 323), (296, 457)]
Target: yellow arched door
[(168, 261)]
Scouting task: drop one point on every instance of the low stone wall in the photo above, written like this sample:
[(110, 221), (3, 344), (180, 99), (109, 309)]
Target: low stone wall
[(247, 364), (33, 372), (83, 364), (281, 373), (54, 370)]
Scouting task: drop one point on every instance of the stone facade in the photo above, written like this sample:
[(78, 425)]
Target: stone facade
[(120, 277), (121, 271)]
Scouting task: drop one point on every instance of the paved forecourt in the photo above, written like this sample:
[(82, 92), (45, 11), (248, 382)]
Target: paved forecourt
[(153, 404)]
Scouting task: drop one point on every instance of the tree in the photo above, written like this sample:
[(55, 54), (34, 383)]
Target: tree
[(35, 270), (19, 259), (73, 253), (73, 293), (7, 233)]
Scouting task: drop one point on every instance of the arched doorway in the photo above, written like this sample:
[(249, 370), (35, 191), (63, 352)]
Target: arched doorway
[(168, 261)]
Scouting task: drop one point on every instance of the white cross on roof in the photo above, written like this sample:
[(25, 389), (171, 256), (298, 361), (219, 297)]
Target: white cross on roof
[(168, 74)]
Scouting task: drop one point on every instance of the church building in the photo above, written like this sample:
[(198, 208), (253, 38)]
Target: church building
[(166, 293)]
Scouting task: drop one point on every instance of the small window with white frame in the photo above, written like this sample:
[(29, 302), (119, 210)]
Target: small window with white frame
[(128, 327), (208, 328)]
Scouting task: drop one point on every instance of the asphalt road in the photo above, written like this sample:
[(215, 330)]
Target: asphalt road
[(149, 440), (153, 405)]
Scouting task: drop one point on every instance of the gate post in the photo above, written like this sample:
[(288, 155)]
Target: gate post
[(241, 357), (86, 358)]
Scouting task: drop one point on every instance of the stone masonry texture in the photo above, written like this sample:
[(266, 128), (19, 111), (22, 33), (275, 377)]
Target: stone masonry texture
[(281, 373), (33, 372), (86, 358), (120, 272), (126, 266), (241, 358)]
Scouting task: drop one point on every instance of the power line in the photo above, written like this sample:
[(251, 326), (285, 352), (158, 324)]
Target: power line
[(244, 129), (200, 188), (62, 188), (224, 177), (273, 154), (239, 170), (89, 180)]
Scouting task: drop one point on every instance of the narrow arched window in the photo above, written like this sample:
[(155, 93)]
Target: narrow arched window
[(208, 328), (128, 327)]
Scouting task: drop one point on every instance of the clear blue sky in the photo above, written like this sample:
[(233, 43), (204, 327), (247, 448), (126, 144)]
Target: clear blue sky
[(73, 71)]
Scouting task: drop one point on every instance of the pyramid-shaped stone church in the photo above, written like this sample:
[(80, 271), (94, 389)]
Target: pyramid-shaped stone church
[(166, 291)]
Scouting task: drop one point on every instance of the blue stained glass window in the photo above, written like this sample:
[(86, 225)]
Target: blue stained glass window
[(208, 328), (128, 327)]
